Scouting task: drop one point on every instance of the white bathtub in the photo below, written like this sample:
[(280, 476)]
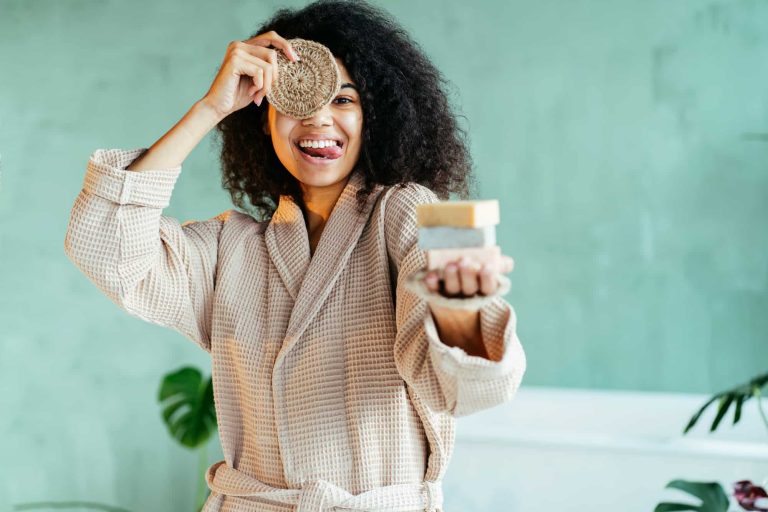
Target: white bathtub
[(598, 451)]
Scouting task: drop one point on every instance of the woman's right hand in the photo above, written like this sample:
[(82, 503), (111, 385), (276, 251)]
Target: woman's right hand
[(247, 73)]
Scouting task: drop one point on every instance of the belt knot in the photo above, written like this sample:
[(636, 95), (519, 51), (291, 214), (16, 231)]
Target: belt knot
[(323, 496)]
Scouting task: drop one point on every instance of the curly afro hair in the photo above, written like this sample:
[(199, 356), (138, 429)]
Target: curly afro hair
[(409, 133)]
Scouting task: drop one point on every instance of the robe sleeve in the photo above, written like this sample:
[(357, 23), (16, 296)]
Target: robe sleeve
[(150, 265), (447, 378)]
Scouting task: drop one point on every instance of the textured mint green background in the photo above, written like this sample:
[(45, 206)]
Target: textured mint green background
[(625, 140)]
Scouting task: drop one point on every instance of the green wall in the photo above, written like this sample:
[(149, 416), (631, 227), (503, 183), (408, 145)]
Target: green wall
[(626, 141)]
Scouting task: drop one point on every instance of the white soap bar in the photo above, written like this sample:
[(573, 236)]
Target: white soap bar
[(446, 237)]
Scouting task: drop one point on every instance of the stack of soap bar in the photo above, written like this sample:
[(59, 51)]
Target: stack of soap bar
[(449, 230)]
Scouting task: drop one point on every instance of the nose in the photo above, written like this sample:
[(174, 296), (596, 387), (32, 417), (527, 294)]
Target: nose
[(322, 117)]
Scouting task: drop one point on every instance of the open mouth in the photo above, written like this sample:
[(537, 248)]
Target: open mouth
[(317, 157)]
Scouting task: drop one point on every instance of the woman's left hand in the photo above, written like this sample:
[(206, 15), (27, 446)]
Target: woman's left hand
[(467, 277)]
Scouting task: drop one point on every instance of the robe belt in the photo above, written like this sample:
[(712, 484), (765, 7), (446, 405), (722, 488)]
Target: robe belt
[(321, 495)]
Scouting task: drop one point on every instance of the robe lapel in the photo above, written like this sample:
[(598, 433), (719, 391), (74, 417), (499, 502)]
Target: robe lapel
[(310, 280), (287, 242)]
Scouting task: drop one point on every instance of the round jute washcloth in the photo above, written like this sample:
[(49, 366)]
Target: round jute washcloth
[(416, 284), (304, 87)]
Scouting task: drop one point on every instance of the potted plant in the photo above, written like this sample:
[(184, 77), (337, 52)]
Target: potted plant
[(189, 414), (713, 498)]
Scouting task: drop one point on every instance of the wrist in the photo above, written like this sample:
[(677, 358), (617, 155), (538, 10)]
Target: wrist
[(456, 327), (205, 111)]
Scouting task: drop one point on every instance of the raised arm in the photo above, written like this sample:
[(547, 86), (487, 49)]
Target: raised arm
[(145, 262), (149, 264)]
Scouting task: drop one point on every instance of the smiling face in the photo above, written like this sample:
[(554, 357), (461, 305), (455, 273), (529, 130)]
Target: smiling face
[(341, 119)]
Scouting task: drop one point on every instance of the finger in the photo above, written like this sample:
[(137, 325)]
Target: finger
[(468, 275), (507, 264), (259, 51), (271, 70), (248, 65), (267, 81), (265, 59), (259, 82), (273, 39), (243, 63), (452, 283), (432, 282), (487, 280), (258, 78)]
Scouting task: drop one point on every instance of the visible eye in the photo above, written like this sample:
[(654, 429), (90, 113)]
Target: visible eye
[(349, 100)]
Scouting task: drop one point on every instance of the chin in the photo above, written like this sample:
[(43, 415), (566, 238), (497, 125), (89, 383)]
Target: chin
[(321, 177)]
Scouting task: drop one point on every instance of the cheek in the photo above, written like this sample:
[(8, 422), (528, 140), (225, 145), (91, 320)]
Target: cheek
[(353, 123), (282, 127)]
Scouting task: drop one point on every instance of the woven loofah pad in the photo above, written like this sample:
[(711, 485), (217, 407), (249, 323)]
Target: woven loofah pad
[(304, 87), (416, 284)]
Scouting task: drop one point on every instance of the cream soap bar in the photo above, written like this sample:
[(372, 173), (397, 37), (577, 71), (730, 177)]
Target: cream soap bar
[(458, 214), (446, 237), (439, 258)]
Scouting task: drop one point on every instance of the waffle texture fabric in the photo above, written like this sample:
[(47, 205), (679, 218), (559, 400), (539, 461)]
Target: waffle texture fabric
[(333, 390), (304, 87)]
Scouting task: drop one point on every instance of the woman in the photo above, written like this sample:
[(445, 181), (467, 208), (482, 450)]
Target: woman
[(334, 384)]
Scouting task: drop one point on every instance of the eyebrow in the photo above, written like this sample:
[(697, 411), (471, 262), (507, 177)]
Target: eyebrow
[(352, 86)]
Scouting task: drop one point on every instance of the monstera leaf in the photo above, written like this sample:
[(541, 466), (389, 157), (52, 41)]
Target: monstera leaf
[(711, 494), (188, 408)]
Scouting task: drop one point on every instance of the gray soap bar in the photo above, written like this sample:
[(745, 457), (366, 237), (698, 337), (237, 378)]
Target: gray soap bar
[(447, 237)]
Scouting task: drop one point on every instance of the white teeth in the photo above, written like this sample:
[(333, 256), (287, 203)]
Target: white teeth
[(317, 143)]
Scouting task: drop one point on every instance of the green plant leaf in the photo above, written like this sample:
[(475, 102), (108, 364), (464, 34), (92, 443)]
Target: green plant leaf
[(698, 414), (671, 507), (711, 494), (741, 394), (725, 402), (188, 406), (737, 413)]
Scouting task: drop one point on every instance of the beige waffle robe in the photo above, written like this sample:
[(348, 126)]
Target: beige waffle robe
[(331, 384)]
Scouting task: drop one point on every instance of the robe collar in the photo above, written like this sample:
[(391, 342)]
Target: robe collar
[(309, 280)]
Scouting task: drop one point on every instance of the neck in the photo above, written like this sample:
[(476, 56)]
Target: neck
[(319, 203)]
